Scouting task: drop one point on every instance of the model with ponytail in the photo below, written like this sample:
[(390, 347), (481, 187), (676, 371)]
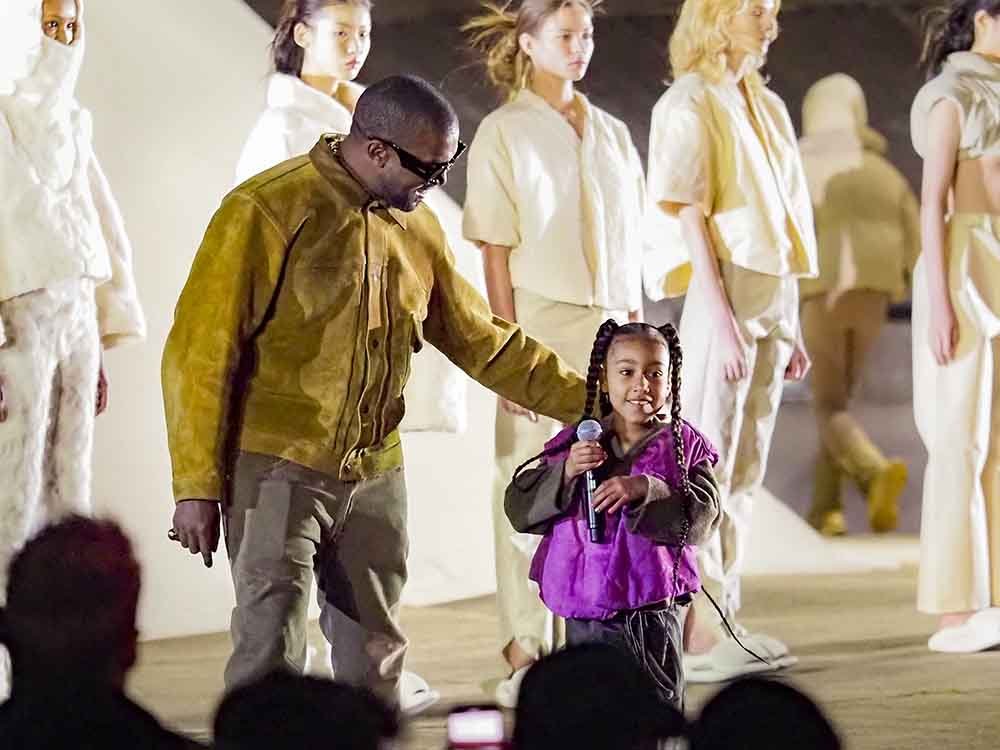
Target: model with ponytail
[(955, 124), (554, 200), (657, 496)]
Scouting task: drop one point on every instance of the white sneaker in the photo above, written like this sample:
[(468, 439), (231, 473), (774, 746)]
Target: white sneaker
[(507, 691), (415, 695), (979, 633)]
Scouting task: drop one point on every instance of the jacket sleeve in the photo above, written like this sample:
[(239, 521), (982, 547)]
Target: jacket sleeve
[(661, 515), (119, 314), (497, 353), (230, 286), (537, 498)]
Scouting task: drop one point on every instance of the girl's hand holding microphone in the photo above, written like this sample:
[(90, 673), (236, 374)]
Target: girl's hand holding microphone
[(584, 455)]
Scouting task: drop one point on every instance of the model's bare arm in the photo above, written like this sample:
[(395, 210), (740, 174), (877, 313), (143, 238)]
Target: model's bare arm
[(943, 138), (705, 265), (500, 291)]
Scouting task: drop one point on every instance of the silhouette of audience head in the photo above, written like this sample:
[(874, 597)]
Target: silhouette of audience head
[(761, 714), (72, 595), (288, 710), (591, 696)]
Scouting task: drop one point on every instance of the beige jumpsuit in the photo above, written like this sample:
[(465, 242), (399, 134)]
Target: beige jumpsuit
[(957, 407)]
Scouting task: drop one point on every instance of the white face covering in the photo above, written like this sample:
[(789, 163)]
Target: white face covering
[(20, 40)]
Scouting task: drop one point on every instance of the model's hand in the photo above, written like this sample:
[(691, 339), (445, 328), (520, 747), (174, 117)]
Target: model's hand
[(3, 401), (584, 455), (943, 332), (799, 364), (617, 492), (196, 527), (518, 411), (102, 392), (734, 348)]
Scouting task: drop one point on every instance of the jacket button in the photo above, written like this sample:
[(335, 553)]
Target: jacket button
[(375, 344), (364, 409)]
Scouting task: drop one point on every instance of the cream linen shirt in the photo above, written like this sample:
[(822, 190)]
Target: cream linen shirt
[(740, 162), (570, 208)]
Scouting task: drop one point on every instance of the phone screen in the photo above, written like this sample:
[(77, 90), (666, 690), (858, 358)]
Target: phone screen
[(475, 726)]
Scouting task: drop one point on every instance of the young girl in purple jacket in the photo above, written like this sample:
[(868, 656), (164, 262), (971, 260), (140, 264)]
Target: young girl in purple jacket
[(656, 498)]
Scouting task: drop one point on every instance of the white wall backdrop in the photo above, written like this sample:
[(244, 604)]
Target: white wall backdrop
[(174, 88)]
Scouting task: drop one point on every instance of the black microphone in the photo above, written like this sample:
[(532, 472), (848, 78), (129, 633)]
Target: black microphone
[(590, 429)]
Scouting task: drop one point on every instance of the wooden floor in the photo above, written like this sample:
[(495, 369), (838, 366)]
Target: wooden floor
[(862, 649)]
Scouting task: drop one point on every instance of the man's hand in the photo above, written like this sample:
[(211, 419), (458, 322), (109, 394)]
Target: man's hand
[(518, 411), (102, 392), (584, 455), (617, 492), (196, 527)]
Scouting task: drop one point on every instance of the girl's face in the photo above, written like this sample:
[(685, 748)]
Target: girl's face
[(563, 45), (636, 376), (336, 41), (754, 28), (59, 20)]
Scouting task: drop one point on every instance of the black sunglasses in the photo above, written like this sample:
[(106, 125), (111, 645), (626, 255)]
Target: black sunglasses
[(431, 172)]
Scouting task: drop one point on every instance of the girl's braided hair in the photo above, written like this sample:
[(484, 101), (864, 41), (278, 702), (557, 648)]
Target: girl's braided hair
[(607, 334)]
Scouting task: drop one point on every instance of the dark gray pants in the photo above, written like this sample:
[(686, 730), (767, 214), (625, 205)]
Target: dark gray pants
[(284, 521), (652, 636)]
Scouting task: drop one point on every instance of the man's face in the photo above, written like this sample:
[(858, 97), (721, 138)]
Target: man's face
[(59, 20), (402, 188)]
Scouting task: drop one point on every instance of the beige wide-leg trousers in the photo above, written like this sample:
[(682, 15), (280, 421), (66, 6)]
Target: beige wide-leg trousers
[(838, 337), (569, 330), (957, 411), (738, 417)]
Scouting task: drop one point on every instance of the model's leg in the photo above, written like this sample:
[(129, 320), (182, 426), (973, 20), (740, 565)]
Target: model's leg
[(825, 342), (71, 432), (715, 406), (27, 365), (362, 573), (862, 313), (954, 578), (991, 478), (276, 516), (527, 628)]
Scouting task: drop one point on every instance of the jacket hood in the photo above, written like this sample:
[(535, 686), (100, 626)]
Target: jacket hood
[(20, 40), (835, 107)]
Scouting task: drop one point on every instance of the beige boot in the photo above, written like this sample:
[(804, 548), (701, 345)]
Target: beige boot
[(883, 496), (826, 514)]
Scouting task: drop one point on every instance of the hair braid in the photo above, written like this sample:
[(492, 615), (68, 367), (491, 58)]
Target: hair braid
[(598, 353), (677, 427), (605, 334)]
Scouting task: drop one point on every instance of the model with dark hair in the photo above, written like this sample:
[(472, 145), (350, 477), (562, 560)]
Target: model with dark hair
[(956, 325), (657, 496)]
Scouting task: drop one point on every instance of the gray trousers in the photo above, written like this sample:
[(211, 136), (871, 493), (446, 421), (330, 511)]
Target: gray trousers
[(284, 521)]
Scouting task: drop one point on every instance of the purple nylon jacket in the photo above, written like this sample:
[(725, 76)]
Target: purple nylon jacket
[(625, 571)]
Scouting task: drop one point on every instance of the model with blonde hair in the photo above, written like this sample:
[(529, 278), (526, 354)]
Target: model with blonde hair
[(956, 326), (732, 219), (554, 200)]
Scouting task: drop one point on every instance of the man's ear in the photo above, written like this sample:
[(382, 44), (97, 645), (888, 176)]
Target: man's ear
[(378, 152)]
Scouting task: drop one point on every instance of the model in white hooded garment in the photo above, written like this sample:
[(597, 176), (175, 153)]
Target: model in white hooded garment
[(66, 285)]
